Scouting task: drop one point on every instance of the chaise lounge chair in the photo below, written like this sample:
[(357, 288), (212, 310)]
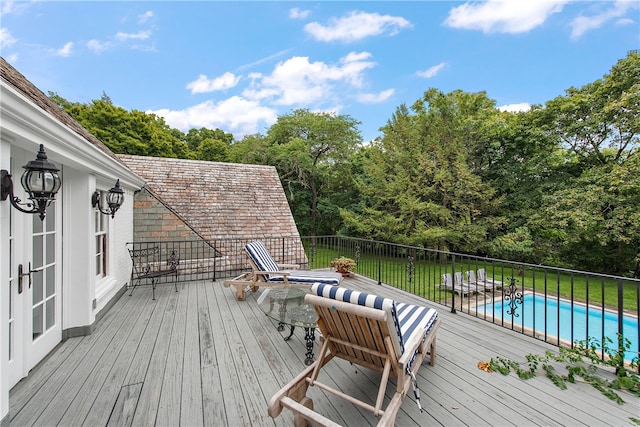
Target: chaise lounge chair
[(465, 286), (491, 283), (461, 288), (481, 285), (267, 272), (381, 334)]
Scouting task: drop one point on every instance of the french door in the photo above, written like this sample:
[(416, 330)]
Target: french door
[(34, 288)]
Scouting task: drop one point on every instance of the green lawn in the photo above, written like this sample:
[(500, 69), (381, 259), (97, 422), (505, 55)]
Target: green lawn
[(423, 274)]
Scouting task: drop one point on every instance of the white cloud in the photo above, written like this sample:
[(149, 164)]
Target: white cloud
[(64, 51), (204, 84), (356, 26), (17, 8), (516, 108), (6, 39), (503, 16), (375, 98), (298, 81), (318, 86), (97, 46), (624, 21), (145, 17), (582, 24), (295, 13), (140, 35), (235, 114), (432, 71)]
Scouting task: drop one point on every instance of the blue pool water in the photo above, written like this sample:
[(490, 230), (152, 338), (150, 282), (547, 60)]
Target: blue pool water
[(534, 307)]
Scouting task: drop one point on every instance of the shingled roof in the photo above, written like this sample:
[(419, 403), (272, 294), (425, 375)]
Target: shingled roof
[(219, 200)]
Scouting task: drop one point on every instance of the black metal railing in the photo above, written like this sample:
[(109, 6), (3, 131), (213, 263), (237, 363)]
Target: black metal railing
[(559, 306), (195, 259), (556, 305)]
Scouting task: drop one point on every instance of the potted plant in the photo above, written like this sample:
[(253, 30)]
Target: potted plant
[(344, 265)]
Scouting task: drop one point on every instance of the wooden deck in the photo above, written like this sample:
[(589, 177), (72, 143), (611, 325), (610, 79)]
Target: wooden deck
[(199, 357)]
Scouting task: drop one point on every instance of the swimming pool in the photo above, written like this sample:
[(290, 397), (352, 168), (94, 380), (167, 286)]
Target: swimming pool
[(533, 307)]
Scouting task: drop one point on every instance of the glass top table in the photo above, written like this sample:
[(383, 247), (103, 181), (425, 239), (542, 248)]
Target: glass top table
[(286, 305)]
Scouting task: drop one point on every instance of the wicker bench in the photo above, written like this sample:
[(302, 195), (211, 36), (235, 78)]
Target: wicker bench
[(149, 267)]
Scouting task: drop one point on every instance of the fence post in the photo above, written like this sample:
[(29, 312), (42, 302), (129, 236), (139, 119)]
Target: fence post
[(453, 283), (620, 368), (379, 265)]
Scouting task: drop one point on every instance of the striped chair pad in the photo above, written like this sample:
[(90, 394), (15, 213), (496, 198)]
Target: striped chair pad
[(405, 319), (261, 257), (309, 277)]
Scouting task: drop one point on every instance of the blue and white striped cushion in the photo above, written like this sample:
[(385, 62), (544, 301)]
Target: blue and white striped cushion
[(261, 257), (405, 319), (412, 318), (309, 276), (367, 300), (354, 297)]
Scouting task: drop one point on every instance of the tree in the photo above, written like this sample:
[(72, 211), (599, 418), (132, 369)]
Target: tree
[(601, 115), (122, 131), (312, 153), (417, 185), (213, 150), (591, 220), (195, 137)]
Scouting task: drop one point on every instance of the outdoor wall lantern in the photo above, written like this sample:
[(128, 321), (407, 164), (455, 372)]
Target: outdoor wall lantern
[(41, 182), (115, 198)]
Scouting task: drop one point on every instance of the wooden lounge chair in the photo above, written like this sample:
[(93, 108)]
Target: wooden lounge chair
[(267, 272), (381, 334), (476, 284), (482, 278), (459, 287)]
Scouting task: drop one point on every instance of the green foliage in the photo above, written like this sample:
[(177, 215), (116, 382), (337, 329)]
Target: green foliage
[(416, 183), (559, 184), (584, 361), (312, 152)]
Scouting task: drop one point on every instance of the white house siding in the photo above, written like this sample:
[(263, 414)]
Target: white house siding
[(28, 119)]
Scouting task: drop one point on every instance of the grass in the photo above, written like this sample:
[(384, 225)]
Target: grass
[(422, 275)]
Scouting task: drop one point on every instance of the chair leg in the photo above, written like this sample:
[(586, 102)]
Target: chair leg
[(298, 419), (133, 286)]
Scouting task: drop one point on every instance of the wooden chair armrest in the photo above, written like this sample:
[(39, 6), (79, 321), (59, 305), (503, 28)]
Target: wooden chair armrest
[(296, 384), (410, 347), (281, 273)]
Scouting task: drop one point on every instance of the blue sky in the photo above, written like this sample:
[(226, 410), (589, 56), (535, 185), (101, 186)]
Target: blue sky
[(238, 65)]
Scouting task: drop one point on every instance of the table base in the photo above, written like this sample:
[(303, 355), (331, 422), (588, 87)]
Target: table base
[(309, 336)]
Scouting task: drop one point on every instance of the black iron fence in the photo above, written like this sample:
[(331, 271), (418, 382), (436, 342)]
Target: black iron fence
[(193, 260), (558, 306)]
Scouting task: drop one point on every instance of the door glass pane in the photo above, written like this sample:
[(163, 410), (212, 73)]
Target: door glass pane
[(37, 286), (37, 321), (51, 248), (37, 224), (37, 252), (51, 280), (51, 313), (51, 217)]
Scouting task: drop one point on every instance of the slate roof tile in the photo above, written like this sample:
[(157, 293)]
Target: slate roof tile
[(219, 200)]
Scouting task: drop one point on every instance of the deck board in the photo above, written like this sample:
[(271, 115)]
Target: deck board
[(199, 357)]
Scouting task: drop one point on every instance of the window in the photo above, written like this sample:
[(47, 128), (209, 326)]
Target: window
[(101, 233)]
